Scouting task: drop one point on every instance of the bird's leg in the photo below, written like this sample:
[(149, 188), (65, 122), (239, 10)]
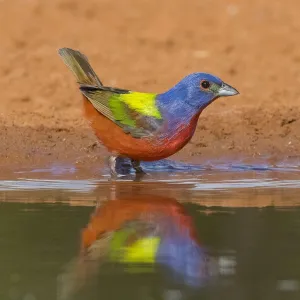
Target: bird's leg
[(112, 161), (136, 165)]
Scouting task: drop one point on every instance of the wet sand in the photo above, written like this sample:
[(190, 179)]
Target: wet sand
[(149, 46)]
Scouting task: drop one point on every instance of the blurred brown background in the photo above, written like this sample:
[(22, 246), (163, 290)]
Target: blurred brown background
[(149, 45)]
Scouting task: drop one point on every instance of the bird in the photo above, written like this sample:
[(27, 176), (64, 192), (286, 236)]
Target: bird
[(143, 126)]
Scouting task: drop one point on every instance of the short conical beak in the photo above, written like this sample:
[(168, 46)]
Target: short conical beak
[(227, 90)]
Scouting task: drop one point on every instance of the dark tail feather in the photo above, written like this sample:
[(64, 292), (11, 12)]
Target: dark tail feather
[(80, 67)]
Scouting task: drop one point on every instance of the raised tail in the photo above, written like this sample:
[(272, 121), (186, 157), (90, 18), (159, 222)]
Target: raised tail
[(80, 67)]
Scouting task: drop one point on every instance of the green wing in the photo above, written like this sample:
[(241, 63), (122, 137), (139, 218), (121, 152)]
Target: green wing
[(136, 113)]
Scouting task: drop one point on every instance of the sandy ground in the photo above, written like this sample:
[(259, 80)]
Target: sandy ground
[(149, 45)]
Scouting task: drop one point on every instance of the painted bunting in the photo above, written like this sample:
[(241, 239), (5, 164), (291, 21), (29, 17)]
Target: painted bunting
[(143, 126)]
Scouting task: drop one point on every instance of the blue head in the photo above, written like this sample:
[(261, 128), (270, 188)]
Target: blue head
[(193, 93)]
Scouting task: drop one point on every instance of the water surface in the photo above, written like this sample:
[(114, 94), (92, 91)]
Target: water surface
[(231, 232)]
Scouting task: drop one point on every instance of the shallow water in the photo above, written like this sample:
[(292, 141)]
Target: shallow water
[(230, 231)]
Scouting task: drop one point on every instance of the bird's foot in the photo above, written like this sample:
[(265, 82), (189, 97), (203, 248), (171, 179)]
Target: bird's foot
[(118, 166), (137, 167), (114, 162)]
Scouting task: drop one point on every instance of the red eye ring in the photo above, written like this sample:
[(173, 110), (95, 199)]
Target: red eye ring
[(205, 84)]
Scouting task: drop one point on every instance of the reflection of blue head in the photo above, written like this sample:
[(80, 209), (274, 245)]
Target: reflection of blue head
[(184, 259)]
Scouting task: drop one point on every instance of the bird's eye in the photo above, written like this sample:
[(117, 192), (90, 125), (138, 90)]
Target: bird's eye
[(205, 84)]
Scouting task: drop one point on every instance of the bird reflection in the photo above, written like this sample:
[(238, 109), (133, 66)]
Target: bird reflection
[(140, 234)]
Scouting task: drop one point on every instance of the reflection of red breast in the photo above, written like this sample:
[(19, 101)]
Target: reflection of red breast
[(113, 137), (112, 214)]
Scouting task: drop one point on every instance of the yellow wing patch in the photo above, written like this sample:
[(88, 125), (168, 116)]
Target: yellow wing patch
[(143, 103)]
